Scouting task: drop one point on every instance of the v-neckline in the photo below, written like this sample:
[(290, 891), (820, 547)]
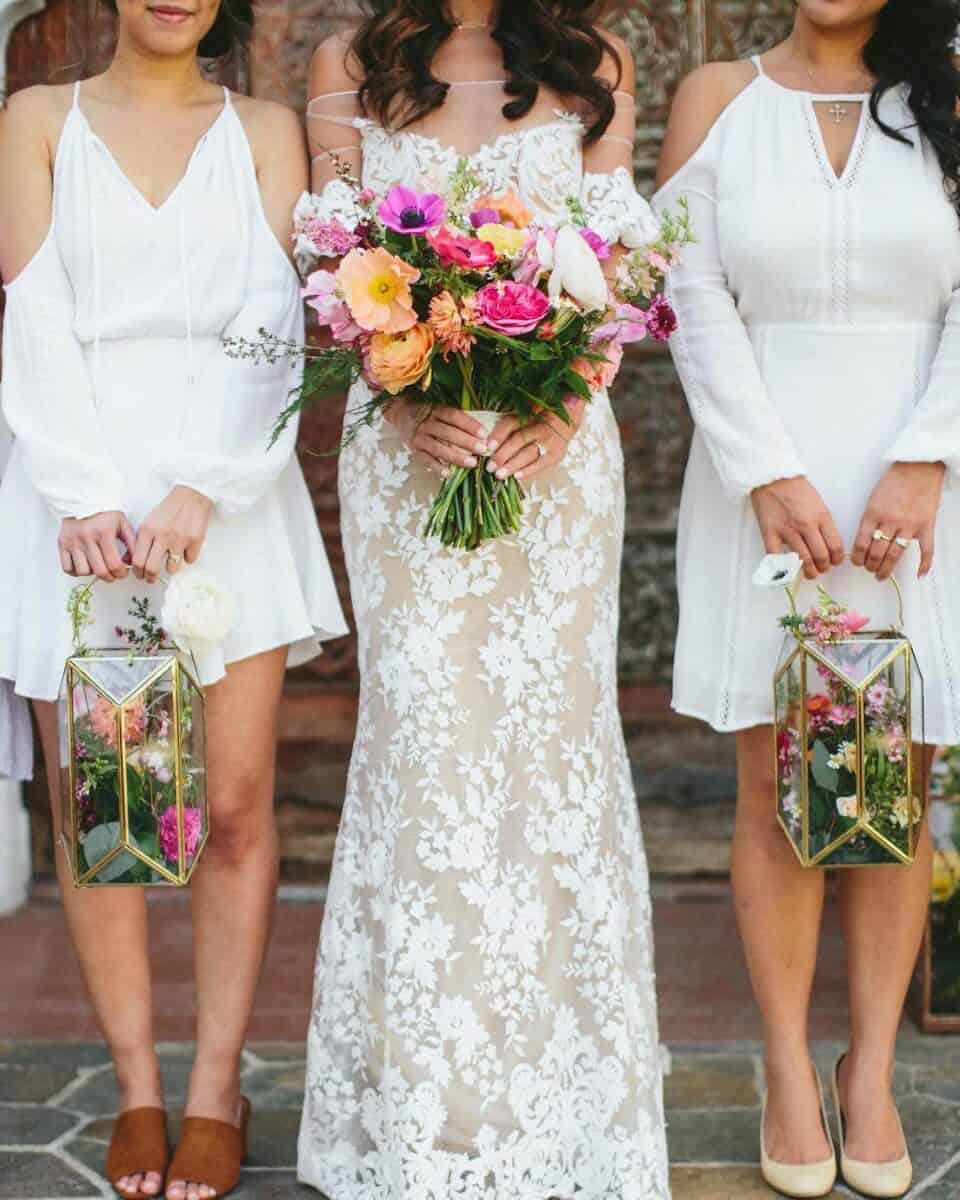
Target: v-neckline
[(155, 209), (837, 178)]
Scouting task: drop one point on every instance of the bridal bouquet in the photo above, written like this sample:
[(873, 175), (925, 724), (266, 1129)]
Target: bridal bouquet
[(464, 300), (847, 794)]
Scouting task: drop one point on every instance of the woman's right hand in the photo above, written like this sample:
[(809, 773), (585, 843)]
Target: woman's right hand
[(439, 437), (89, 546), (792, 515)]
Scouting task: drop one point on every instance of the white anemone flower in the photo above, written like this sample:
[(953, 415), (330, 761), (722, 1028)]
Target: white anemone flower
[(778, 570), (577, 271)]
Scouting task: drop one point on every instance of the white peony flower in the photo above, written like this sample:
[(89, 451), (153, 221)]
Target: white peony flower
[(778, 570), (577, 271), (197, 613), (847, 806)]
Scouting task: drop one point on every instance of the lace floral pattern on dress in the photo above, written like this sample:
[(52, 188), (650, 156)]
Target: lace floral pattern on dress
[(485, 1018)]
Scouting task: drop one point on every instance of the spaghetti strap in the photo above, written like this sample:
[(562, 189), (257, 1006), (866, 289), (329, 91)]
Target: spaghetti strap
[(755, 59), (76, 95), (227, 102)]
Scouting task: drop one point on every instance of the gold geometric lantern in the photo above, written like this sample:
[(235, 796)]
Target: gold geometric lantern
[(133, 777), (848, 790)]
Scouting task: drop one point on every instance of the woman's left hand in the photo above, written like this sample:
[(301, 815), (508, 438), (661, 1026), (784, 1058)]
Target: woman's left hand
[(174, 532), (523, 451), (903, 508)]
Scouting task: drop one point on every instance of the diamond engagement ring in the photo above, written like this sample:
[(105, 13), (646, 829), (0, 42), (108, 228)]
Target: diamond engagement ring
[(174, 560), (541, 449), (903, 543)]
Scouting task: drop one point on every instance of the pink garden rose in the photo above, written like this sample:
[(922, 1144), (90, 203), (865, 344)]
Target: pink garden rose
[(167, 828), (512, 308)]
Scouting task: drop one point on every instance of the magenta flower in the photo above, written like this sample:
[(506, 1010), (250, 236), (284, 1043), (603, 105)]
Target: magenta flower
[(661, 319), (167, 829), (406, 211), (485, 216), (854, 621), (331, 239), (600, 246), (512, 308)]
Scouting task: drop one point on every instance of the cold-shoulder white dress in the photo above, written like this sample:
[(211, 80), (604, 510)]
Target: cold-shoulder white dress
[(117, 387), (485, 1019), (819, 335)]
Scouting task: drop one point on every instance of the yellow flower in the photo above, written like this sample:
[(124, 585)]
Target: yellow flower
[(399, 360), (376, 285), (944, 880), (506, 241)]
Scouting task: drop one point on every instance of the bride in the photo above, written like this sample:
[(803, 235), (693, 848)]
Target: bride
[(485, 1018)]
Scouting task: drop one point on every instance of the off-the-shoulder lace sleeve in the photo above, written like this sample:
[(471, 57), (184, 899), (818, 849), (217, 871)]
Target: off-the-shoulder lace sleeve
[(48, 394), (933, 432), (334, 134), (744, 434), (223, 450), (613, 206)]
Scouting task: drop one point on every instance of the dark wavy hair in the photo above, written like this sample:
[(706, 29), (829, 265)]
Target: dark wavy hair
[(913, 45), (230, 31), (555, 43)]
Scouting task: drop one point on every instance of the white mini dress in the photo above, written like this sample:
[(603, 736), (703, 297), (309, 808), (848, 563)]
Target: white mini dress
[(117, 387), (819, 335)]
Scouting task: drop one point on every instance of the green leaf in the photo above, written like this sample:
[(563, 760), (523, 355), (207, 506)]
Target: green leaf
[(820, 768), (100, 841)]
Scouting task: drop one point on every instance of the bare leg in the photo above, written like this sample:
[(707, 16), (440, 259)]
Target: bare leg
[(884, 910), (779, 910), (234, 888), (109, 931)]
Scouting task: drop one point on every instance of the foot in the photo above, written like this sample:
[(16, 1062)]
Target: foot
[(134, 1096), (219, 1105), (149, 1184), (872, 1130), (793, 1133)]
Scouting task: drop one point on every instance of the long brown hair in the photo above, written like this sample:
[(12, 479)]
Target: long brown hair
[(555, 43)]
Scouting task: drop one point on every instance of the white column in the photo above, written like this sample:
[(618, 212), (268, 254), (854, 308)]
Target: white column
[(14, 826)]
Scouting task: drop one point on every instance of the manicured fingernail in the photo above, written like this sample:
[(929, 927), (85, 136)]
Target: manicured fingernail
[(444, 472), (471, 462), (519, 474), (491, 466), (482, 448), (502, 473), (492, 446)]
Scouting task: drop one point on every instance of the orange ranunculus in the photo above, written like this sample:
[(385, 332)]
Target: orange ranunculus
[(818, 704), (508, 207), (399, 360), (376, 286), (446, 322)]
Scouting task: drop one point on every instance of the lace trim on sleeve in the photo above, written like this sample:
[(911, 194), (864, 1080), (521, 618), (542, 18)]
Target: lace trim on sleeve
[(616, 210)]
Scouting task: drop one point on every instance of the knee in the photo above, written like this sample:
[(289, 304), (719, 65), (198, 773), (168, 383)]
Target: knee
[(241, 816)]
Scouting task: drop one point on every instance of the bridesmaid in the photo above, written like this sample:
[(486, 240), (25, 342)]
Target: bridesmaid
[(819, 351), (139, 446)]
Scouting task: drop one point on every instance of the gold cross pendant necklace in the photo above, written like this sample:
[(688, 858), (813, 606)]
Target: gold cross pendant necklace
[(838, 112)]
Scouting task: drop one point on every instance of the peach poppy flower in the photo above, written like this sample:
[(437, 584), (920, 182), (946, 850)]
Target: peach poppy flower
[(376, 285)]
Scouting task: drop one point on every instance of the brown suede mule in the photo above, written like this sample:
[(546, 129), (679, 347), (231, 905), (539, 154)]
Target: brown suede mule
[(138, 1146), (212, 1152)]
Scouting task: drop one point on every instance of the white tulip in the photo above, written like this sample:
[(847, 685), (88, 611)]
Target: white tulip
[(778, 570), (577, 271), (197, 613)]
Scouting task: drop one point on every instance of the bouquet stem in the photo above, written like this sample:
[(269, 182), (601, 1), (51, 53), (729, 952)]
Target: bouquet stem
[(473, 506)]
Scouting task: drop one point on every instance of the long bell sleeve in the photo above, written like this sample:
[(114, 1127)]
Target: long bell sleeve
[(744, 434), (933, 432), (223, 450), (48, 394)]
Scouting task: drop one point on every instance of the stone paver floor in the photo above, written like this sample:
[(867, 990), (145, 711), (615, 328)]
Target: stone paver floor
[(56, 1102)]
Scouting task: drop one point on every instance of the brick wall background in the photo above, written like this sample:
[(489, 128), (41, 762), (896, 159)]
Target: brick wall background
[(684, 773)]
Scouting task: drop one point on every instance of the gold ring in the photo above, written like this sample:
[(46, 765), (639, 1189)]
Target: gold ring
[(174, 560), (541, 449), (903, 543), (880, 536)]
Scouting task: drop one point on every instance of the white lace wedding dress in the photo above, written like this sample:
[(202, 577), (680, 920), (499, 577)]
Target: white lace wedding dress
[(485, 1016)]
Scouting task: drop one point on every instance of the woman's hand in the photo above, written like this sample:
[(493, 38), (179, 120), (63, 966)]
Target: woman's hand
[(89, 546), (791, 513), (175, 530), (525, 450), (440, 438), (903, 507)]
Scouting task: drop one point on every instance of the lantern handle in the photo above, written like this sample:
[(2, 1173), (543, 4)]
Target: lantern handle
[(794, 588)]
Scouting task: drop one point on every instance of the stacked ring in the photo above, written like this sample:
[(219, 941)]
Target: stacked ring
[(541, 449)]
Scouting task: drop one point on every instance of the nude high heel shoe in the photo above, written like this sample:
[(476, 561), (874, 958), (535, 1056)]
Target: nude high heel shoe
[(800, 1180), (879, 1181)]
